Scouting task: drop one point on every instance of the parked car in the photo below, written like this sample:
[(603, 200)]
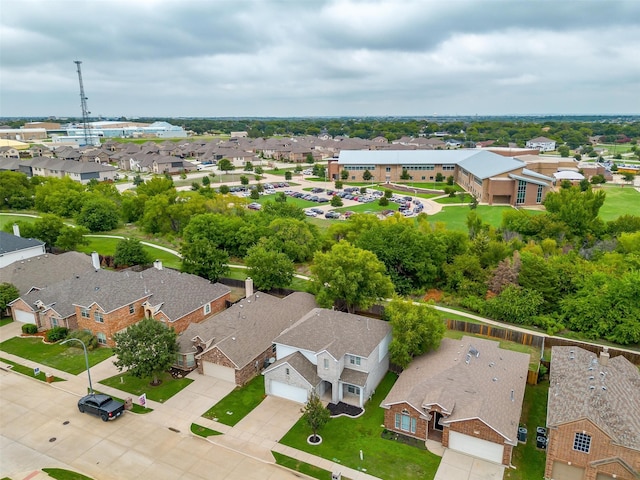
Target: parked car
[(254, 206), (348, 213), (101, 405), (407, 213), (332, 214), (310, 213), (317, 210)]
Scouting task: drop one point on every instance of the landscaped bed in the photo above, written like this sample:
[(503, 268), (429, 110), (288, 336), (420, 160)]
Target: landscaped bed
[(168, 387), (235, 406), (343, 438)]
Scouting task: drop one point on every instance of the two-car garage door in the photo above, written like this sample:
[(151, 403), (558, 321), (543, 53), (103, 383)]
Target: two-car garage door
[(476, 447), (289, 392), (24, 317)]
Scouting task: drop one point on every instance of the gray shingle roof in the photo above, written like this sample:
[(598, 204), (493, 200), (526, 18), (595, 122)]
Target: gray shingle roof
[(45, 270), (338, 333), (615, 409), (248, 327), (176, 293), (480, 389), (300, 364), (10, 243)]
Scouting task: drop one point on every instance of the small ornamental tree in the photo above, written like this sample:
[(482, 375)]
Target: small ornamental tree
[(258, 170), (146, 349), (336, 201), (254, 195), (248, 167), (205, 181), (244, 180), (405, 175), (344, 174), (388, 193), (450, 180), (439, 177), (383, 202), (8, 293), (316, 415), (339, 184), (129, 251), (366, 176), (287, 175), (224, 189)]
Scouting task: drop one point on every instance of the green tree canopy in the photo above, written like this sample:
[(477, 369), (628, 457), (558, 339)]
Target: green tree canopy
[(99, 215), (225, 165), (129, 251), (16, 190), (8, 293), (146, 349), (269, 269), (416, 329), (349, 274), (576, 209), (156, 186), (201, 257)]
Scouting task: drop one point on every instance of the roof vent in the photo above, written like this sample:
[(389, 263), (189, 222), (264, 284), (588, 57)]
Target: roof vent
[(468, 359), (513, 398), (592, 387), (474, 351), (492, 364), (495, 379), (604, 388), (591, 377)]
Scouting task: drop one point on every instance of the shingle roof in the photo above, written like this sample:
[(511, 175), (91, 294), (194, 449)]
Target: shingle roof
[(614, 409), (336, 332), (478, 389), (10, 243), (45, 270), (300, 364), (248, 327), (176, 293)]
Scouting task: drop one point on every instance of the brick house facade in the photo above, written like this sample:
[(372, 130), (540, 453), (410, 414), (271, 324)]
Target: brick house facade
[(593, 417)]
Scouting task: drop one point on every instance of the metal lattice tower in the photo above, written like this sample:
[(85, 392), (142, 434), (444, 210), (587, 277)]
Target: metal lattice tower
[(83, 104)]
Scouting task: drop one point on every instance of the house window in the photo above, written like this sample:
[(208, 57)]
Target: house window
[(191, 360), (102, 338), (388, 169), (85, 313), (132, 308), (286, 371), (326, 364), (522, 192), (539, 195), (405, 422), (207, 308), (582, 442), (98, 317), (273, 348), (353, 389), (353, 360)]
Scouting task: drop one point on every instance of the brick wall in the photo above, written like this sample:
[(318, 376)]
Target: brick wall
[(197, 316), (560, 448), (214, 356), (390, 420), (113, 322), (244, 374)]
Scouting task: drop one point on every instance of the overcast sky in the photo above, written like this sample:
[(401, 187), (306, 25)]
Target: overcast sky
[(320, 58)]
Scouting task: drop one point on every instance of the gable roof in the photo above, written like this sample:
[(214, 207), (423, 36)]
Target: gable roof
[(338, 333), (541, 140), (300, 364), (175, 293), (248, 327), (478, 389), (44, 270), (10, 243), (614, 409)]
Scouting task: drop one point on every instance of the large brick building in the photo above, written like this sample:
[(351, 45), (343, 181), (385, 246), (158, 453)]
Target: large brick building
[(593, 417), (491, 178), (106, 302), (467, 395)]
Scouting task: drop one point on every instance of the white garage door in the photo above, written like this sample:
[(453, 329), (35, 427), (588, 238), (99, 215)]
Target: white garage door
[(562, 471), (290, 392), (218, 371), (476, 447), (25, 317)]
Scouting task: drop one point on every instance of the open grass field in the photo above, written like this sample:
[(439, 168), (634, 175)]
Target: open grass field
[(107, 246), (343, 438), (9, 219), (620, 201), (455, 218), (459, 198), (67, 358), (137, 386)]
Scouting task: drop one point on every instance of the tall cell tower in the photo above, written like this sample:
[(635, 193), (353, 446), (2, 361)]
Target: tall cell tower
[(83, 104)]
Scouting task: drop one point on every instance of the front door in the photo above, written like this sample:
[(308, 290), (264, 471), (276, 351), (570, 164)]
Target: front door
[(436, 421)]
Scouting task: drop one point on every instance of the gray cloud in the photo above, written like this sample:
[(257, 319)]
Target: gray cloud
[(342, 57)]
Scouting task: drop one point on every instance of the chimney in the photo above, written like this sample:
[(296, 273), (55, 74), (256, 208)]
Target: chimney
[(16, 229), (604, 357), (248, 287), (157, 264), (95, 260)]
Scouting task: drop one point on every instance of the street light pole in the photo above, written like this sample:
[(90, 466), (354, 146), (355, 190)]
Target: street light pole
[(86, 359)]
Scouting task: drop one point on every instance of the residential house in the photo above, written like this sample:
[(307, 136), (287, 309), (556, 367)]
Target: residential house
[(170, 164), (106, 302), (9, 152), (543, 144), (237, 343), (593, 416), (339, 356), (467, 394), (14, 248), (77, 171)]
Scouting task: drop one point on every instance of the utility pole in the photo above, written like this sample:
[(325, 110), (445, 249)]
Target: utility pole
[(83, 104)]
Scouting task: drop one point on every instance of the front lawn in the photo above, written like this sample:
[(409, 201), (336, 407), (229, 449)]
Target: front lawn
[(237, 405), (16, 367), (5, 321), (67, 358), (203, 431), (302, 467), (168, 387), (343, 438), (62, 474), (529, 460)]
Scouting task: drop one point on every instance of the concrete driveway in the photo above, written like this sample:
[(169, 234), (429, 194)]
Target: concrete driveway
[(458, 466), (40, 426)]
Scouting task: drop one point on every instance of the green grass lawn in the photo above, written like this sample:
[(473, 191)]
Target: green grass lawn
[(298, 202), (455, 218), (459, 198), (5, 321), (8, 219), (343, 438), (237, 405), (107, 246), (62, 474), (67, 358), (137, 386), (620, 201), (203, 431), (302, 467), (16, 367), (368, 207), (528, 460)]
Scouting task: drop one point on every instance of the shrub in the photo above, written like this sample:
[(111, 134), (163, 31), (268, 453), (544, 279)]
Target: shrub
[(338, 184), (383, 202), (85, 336), (473, 303), (29, 328), (451, 191), (57, 333)]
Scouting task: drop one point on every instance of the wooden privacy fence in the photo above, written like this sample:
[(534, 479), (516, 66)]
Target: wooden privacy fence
[(496, 332)]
